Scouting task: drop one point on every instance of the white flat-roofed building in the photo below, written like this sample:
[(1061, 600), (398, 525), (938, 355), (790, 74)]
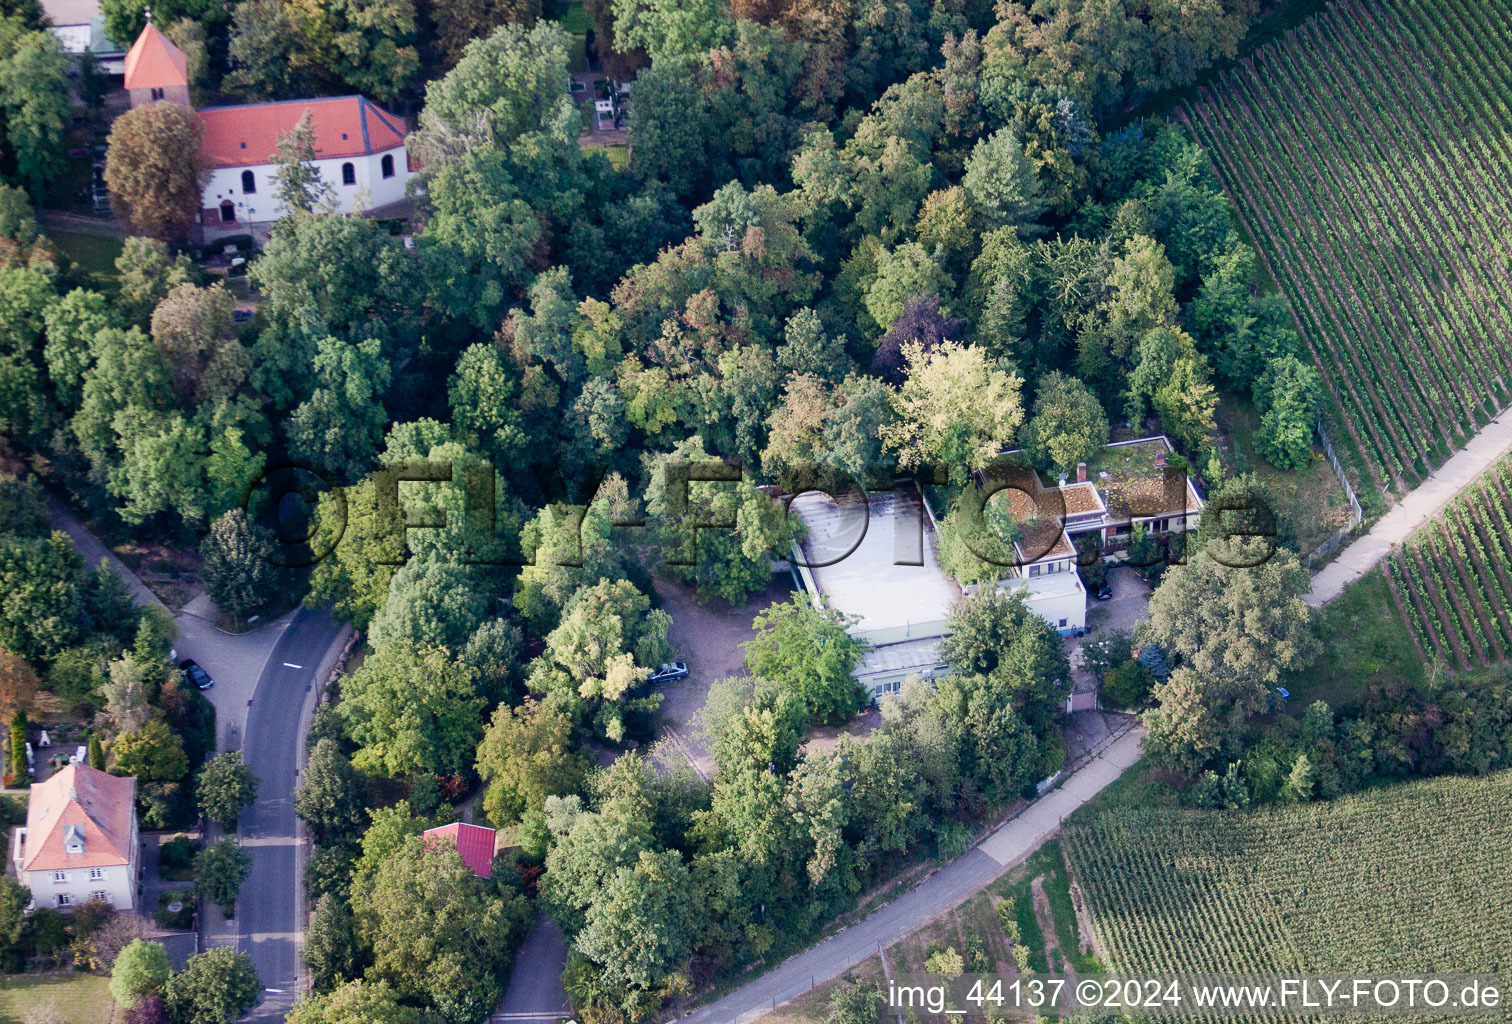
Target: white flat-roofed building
[(877, 563)]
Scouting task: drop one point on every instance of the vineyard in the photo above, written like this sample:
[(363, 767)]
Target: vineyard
[(1405, 879), (1452, 582), (1367, 153)]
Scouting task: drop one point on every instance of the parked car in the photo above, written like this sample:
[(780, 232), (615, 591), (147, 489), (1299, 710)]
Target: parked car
[(669, 672), (196, 675), (241, 316), (1104, 592)]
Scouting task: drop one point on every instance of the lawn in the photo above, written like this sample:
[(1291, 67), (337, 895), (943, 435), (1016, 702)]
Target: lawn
[(82, 998), (95, 255), (1312, 504), (1365, 644)]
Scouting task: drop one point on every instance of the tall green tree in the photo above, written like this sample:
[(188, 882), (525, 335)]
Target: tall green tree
[(36, 98), (330, 796), (356, 1002), (1236, 629), (642, 925), (215, 987), (440, 935), (330, 951), (798, 646), (1067, 424), (141, 969), (300, 186), (413, 710), (236, 565), (529, 753), (226, 787), (219, 872)]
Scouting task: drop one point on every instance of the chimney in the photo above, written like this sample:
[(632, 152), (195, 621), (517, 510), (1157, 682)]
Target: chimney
[(1160, 459), (1081, 472)]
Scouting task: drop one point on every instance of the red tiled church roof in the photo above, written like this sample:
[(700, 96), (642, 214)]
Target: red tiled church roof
[(155, 63), (247, 134), (474, 842)]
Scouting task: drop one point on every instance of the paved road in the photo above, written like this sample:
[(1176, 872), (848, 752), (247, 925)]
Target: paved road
[(939, 892), (1426, 501), (270, 913), (535, 991)]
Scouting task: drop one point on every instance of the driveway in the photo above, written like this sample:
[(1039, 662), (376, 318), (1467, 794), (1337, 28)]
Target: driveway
[(708, 637), (1130, 601), (535, 989)]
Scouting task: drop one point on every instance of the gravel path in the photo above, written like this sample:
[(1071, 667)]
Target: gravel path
[(1425, 502)]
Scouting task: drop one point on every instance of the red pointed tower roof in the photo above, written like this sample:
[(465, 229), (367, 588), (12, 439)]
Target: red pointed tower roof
[(155, 63)]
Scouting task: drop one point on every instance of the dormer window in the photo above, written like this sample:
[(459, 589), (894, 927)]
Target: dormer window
[(73, 839)]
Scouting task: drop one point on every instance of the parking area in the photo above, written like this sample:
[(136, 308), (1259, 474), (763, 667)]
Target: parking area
[(1130, 600), (708, 637)]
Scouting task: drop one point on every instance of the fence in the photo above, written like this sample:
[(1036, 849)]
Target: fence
[(1356, 511)]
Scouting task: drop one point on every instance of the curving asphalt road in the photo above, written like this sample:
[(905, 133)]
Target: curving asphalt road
[(270, 912)]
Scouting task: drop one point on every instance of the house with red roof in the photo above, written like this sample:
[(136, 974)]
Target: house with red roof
[(359, 146), (80, 840), (474, 842)]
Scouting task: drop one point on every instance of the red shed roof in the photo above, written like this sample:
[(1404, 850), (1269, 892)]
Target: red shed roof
[(474, 842), (247, 134), (155, 63)]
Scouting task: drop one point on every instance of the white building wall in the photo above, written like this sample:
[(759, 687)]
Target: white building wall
[(118, 885), (370, 190)]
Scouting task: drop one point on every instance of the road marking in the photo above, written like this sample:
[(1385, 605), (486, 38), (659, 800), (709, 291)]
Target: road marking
[(290, 664)]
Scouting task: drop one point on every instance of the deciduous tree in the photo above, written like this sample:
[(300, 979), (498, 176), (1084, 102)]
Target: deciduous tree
[(141, 969), (219, 872), (36, 98), (154, 170), (215, 987), (954, 408), (226, 788), (528, 754), (236, 565), (439, 934)]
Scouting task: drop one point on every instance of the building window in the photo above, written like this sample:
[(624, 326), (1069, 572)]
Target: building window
[(348, 174), (95, 874), (101, 895), (249, 183), (157, 94), (228, 212), (1062, 623), (60, 876), (386, 165), (65, 899), (1034, 570)]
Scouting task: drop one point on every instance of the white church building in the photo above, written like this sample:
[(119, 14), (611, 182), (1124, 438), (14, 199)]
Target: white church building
[(359, 151), (359, 146)]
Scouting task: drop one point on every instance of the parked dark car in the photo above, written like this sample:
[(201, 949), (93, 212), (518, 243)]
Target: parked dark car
[(669, 672), (196, 675), (1104, 592)]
